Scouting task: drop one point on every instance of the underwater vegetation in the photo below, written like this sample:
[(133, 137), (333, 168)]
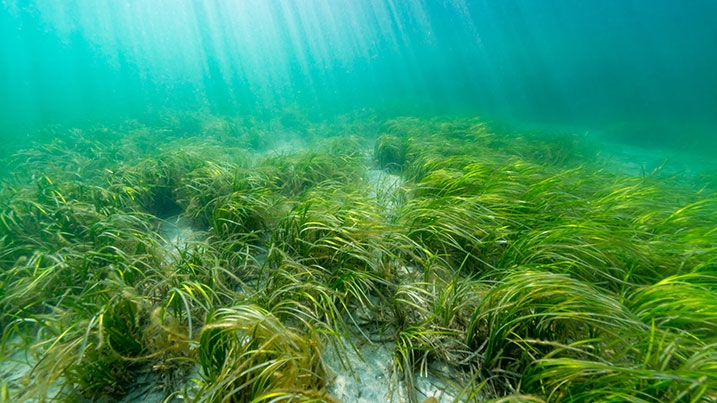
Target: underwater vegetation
[(515, 267)]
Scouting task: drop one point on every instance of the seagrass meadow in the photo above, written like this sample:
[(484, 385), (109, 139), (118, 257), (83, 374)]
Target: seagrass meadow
[(358, 201), (225, 263)]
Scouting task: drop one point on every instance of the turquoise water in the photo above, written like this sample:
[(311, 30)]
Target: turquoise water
[(639, 72)]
